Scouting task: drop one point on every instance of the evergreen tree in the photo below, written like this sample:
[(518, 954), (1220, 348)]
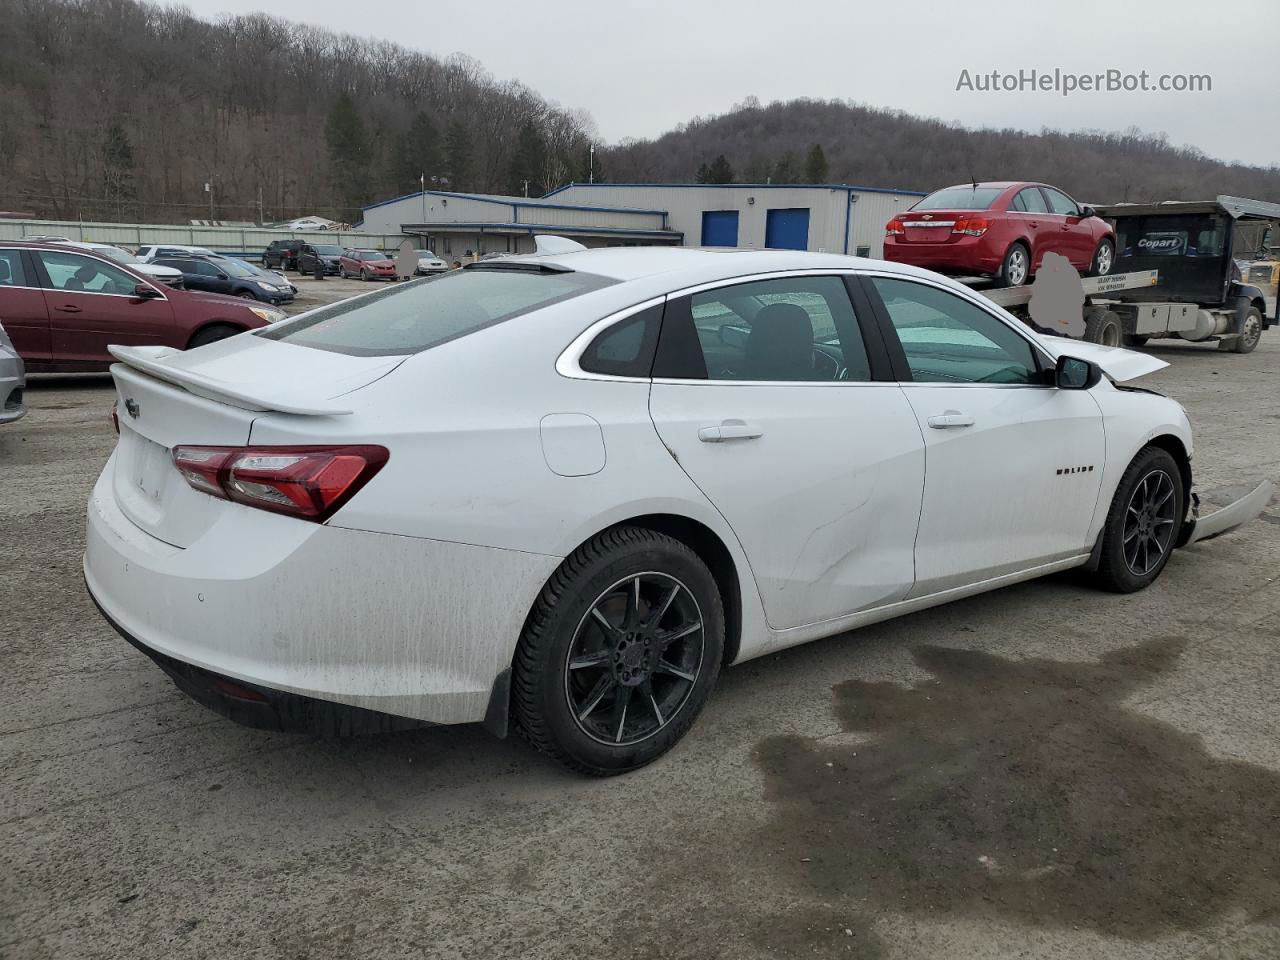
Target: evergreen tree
[(417, 154), (703, 175), (784, 171), (528, 163), (457, 155), (815, 165), (720, 171), (348, 151), (117, 165)]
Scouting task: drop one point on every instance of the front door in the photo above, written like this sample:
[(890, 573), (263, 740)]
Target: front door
[(92, 304), (764, 393), (1012, 466), (1075, 239)]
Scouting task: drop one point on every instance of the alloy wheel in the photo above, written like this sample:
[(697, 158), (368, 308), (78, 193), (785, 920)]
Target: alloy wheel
[(1149, 520), (1104, 259), (1017, 268), (634, 659)]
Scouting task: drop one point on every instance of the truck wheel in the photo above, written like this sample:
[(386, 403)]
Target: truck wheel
[(1104, 258), (619, 652), (1016, 267), (1143, 523), (1250, 332), (1136, 340), (1105, 328)]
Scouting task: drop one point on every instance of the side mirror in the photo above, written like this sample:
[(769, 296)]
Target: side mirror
[(1072, 373), (1087, 211), (144, 291)]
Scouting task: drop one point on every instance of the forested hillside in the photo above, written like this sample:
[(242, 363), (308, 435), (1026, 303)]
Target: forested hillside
[(121, 110), (885, 148)]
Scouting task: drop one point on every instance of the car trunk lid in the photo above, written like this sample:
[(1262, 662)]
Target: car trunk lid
[(932, 226), (211, 397)]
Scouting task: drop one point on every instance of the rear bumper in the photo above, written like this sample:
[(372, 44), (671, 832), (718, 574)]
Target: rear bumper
[(966, 255), (13, 379), (405, 626)]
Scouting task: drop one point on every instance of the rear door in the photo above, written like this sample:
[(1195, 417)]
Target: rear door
[(92, 304), (23, 313), (765, 392), (1013, 466)]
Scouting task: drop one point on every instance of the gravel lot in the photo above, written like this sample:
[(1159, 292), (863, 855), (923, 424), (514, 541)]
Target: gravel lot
[(1042, 772)]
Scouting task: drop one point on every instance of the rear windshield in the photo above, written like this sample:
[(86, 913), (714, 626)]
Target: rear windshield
[(960, 198), (409, 318)]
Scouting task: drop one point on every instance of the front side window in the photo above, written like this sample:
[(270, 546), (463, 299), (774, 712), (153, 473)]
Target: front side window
[(789, 329), (1060, 203), (409, 318), (949, 340), (76, 274)]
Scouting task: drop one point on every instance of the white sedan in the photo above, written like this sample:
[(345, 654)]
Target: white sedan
[(559, 492)]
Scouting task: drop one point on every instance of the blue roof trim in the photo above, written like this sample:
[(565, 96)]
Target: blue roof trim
[(504, 226), (512, 202), (850, 188)]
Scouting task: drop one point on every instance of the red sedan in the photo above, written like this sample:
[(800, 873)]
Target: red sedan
[(1000, 230), (366, 264), (63, 306)]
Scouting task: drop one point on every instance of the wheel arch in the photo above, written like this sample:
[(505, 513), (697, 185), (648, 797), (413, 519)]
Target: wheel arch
[(1174, 446), (210, 324)]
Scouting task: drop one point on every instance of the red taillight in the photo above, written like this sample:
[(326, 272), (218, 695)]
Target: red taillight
[(971, 226), (894, 228), (115, 415), (306, 482)]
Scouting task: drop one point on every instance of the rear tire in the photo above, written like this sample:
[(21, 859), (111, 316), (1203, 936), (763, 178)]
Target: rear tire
[(1104, 258), (211, 334), (1104, 327), (1143, 523), (595, 646), (1015, 269)]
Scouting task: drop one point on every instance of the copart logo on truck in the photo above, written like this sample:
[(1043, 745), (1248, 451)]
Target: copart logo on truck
[(1163, 244)]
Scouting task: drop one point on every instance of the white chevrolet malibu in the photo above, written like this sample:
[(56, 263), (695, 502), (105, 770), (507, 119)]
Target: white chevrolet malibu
[(559, 492)]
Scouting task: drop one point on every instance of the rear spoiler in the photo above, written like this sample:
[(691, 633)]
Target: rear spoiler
[(150, 360)]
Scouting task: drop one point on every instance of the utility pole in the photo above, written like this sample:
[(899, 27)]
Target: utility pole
[(208, 188), (591, 165), (526, 188), (260, 214), (422, 181)]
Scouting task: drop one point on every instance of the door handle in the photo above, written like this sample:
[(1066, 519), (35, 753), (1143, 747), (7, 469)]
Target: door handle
[(952, 418), (729, 430), (1035, 223), (68, 308)]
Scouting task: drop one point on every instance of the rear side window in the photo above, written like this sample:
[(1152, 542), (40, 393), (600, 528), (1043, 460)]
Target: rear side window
[(409, 318), (626, 348), (11, 272)]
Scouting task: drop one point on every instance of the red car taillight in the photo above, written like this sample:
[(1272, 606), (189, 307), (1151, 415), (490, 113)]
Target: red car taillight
[(310, 483), (971, 226), (894, 228)]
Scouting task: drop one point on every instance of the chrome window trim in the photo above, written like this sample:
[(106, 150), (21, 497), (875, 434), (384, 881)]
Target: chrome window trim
[(568, 363), (92, 256)]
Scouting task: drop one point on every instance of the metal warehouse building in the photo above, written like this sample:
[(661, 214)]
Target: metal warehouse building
[(823, 217)]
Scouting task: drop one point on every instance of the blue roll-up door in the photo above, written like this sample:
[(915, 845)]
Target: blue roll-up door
[(719, 228), (787, 229)]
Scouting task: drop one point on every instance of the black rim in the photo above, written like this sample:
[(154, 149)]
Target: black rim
[(635, 658), (1148, 523)]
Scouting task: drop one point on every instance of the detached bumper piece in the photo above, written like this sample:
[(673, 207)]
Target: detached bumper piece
[(265, 709), (1197, 528)]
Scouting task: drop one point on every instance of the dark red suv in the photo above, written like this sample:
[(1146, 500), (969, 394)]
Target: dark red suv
[(62, 306), (1000, 230)]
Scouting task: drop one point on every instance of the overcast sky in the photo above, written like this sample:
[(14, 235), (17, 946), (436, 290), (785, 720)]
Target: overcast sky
[(640, 68)]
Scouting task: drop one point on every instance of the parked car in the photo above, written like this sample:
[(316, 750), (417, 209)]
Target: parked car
[(366, 264), (1000, 230), (429, 263), (310, 223), (327, 254), (13, 372), (166, 275), (150, 252), (232, 277), (282, 254), (63, 307), (562, 491)]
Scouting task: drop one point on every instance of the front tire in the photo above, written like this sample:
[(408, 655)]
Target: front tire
[(1251, 333), (1015, 269), (1104, 258), (619, 653), (1143, 523), (211, 334)]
